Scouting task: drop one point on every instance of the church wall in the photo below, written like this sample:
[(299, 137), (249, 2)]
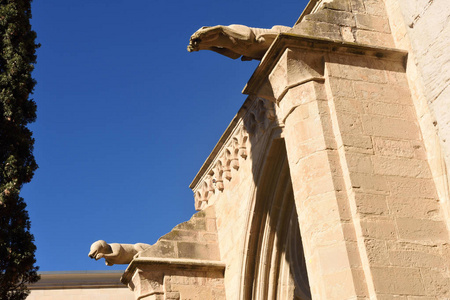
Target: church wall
[(428, 27), (422, 28)]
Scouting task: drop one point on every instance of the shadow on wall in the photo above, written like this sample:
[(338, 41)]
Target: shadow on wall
[(274, 267)]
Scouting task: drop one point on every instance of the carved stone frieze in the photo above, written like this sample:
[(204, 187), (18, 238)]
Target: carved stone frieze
[(233, 148)]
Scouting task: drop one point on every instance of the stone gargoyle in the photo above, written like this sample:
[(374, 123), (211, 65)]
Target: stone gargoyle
[(115, 253), (235, 41)]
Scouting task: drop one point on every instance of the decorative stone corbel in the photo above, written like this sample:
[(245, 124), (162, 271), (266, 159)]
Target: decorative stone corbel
[(147, 284), (294, 68)]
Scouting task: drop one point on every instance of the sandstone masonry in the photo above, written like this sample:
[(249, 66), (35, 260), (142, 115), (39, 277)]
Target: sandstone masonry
[(331, 181)]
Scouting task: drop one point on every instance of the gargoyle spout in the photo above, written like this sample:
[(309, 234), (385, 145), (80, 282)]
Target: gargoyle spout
[(115, 253), (235, 41)]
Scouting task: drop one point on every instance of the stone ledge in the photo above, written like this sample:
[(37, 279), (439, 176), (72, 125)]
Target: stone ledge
[(171, 263), (295, 41)]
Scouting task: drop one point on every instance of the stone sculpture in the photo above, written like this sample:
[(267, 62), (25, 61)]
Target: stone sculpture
[(235, 41), (116, 253)]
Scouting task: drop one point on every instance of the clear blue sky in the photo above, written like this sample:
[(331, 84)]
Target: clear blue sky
[(126, 117)]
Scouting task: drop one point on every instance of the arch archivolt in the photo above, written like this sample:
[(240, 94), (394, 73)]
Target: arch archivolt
[(273, 264)]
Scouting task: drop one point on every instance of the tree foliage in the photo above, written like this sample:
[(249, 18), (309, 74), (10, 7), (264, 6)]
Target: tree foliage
[(17, 163)]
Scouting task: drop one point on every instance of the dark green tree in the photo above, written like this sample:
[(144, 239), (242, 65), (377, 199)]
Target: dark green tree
[(17, 163)]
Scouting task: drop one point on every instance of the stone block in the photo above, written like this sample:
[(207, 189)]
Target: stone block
[(390, 127), (407, 281), (374, 38), (342, 18), (347, 34), (373, 23), (421, 230), (357, 143), (341, 88), (369, 182), (371, 204), (193, 224), (178, 235), (408, 207), (208, 237), (359, 163), (348, 105), (412, 187), (318, 29), (382, 92), (416, 259), (397, 77), (405, 167), (394, 110), (436, 283), (383, 229), (338, 5), (396, 148), (356, 69), (350, 124), (162, 248), (197, 250)]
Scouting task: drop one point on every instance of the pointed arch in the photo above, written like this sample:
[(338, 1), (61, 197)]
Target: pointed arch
[(274, 263)]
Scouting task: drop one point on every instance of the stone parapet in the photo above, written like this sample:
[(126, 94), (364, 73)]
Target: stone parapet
[(232, 150)]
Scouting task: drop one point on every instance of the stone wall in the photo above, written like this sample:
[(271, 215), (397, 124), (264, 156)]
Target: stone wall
[(428, 27), (421, 28)]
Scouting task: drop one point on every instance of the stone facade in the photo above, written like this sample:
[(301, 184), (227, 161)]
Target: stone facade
[(331, 181)]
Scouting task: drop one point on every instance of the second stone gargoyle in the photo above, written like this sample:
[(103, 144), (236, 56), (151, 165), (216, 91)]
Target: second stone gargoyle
[(235, 41), (115, 253)]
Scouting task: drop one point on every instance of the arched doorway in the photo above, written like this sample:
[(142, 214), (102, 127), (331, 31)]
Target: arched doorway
[(275, 266)]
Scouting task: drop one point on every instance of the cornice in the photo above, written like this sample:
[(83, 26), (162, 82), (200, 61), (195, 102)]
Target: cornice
[(170, 264), (312, 44)]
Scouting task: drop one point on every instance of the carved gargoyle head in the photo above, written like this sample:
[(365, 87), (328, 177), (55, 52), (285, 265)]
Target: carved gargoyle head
[(98, 249)]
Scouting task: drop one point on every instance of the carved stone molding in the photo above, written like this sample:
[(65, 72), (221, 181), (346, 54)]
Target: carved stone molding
[(255, 117), (296, 59)]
